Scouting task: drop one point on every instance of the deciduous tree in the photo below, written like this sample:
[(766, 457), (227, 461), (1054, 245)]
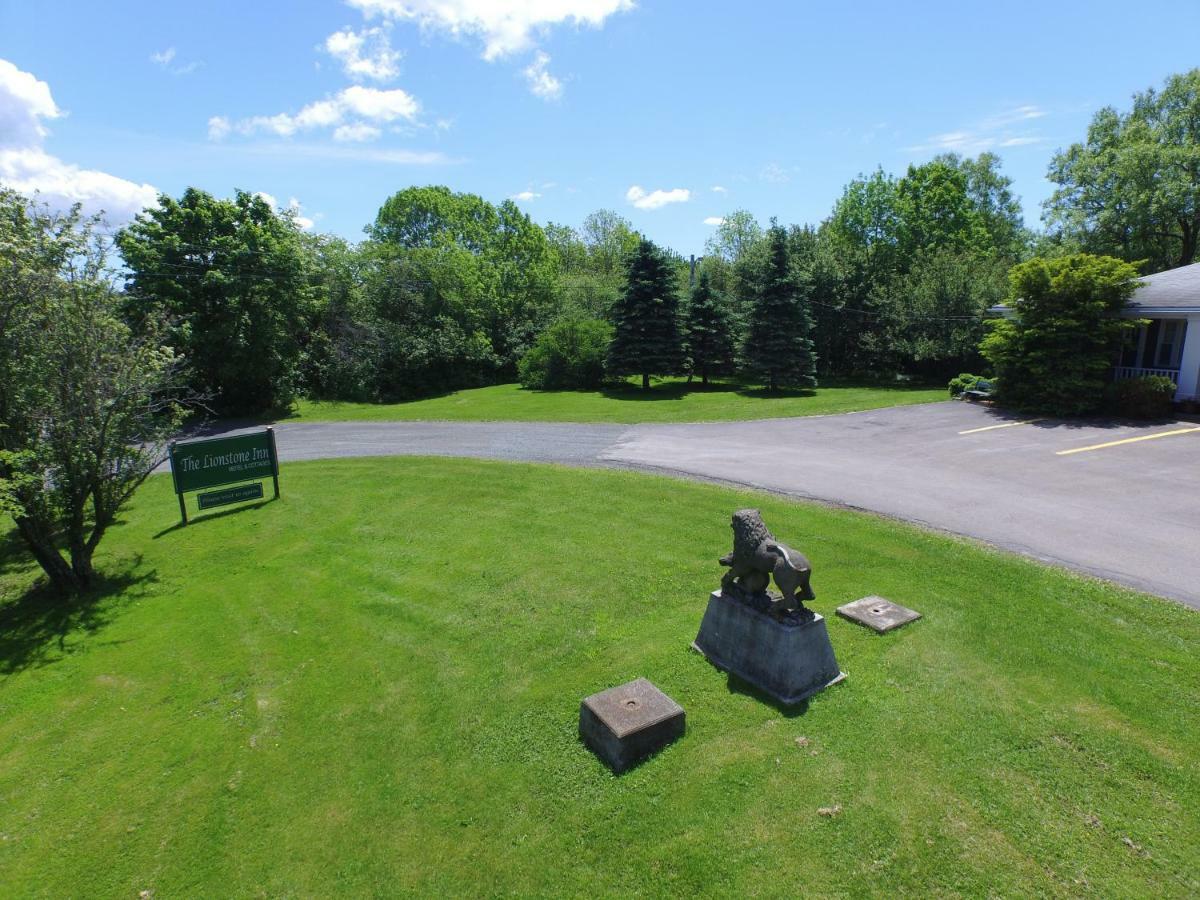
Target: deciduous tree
[(1132, 188), (233, 278), (86, 404)]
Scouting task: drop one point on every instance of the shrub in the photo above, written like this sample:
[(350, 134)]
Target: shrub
[(964, 382), (1148, 397), (1055, 355), (567, 355)]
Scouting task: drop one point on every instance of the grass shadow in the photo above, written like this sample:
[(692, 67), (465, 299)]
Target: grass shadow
[(762, 393), (36, 627), (735, 684), (669, 390), (1003, 416), (738, 685), (209, 517), (14, 555)]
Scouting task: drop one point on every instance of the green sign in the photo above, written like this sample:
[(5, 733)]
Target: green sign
[(230, 495), (214, 462), (226, 460)]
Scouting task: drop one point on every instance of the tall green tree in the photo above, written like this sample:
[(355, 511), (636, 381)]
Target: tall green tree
[(647, 339), (1132, 188), (341, 356), (892, 269), (994, 203), (457, 263), (778, 348), (941, 303), (234, 279), (610, 240), (732, 256), (86, 404), (709, 330), (1055, 354)]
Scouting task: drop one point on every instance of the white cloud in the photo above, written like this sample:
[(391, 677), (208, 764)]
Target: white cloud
[(718, 189), (525, 196), (774, 173), (357, 133), (289, 150), (218, 128), (504, 26), (714, 220), (26, 167), (351, 112), (539, 79), (1020, 141), (164, 58), (295, 209), (24, 103), (1013, 116), (364, 54), (61, 184), (1008, 128), (642, 199), (380, 106)]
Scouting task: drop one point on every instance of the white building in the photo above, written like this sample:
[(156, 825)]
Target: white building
[(1170, 344)]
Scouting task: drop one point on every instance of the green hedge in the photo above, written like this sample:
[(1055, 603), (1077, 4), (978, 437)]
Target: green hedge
[(1148, 397)]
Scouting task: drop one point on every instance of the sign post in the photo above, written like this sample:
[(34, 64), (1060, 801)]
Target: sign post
[(216, 462)]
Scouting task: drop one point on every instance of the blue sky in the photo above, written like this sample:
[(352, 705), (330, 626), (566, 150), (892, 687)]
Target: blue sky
[(647, 108)]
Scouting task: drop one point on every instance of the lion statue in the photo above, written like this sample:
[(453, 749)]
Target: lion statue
[(757, 556)]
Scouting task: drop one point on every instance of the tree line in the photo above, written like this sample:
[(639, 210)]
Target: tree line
[(450, 291)]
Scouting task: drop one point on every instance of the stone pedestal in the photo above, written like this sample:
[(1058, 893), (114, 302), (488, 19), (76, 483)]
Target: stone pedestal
[(789, 660), (626, 723)]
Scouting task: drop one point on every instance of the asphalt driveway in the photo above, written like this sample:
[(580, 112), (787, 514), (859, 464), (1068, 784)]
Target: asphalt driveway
[(1118, 501)]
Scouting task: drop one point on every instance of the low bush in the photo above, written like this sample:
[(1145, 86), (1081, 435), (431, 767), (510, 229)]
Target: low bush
[(568, 355), (1148, 397), (964, 382)]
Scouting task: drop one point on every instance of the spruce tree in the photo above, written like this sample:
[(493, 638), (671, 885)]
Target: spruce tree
[(778, 348), (709, 330), (647, 339)]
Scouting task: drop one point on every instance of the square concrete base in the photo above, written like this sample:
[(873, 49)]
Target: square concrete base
[(878, 614), (626, 723), (790, 661)]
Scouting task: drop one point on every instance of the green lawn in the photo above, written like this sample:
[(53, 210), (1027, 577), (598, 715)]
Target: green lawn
[(371, 687), (670, 400)]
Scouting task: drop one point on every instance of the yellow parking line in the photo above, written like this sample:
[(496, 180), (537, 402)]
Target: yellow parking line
[(1132, 440), (1005, 425)]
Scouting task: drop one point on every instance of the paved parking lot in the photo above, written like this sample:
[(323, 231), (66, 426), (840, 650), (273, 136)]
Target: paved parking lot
[(1118, 501)]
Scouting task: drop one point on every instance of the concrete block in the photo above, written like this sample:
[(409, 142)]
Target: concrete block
[(629, 722), (878, 614)]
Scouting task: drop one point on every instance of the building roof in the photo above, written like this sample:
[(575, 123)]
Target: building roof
[(1173, 289)]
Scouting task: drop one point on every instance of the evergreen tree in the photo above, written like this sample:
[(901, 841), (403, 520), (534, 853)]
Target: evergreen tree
[(647, 338), (709, 330), (778, 348)]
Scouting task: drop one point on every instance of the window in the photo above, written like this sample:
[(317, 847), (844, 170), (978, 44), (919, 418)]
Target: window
[(1170, 343)]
